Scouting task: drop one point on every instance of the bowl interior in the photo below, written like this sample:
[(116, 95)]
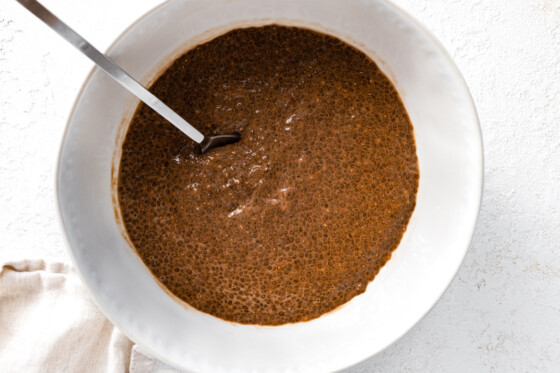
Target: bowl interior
[(450, 158)]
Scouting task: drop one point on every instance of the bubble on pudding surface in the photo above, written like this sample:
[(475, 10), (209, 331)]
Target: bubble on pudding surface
[(285, 225)]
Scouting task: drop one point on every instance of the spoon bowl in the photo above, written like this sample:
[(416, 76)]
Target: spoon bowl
[(210, 142)]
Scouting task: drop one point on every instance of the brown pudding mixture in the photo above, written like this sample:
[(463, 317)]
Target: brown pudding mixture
[(299, 216)]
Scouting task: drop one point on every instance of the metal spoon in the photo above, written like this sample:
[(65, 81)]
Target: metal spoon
[(114, 71)]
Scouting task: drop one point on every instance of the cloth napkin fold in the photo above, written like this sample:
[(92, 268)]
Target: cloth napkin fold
[(49, 323)]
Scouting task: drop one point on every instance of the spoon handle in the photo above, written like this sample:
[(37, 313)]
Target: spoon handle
[(111, 68)]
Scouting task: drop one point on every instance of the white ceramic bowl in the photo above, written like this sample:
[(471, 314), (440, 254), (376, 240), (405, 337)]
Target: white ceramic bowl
[(451, 168)]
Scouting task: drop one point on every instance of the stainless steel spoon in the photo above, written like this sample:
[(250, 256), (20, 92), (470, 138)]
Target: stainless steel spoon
[(123, 78)]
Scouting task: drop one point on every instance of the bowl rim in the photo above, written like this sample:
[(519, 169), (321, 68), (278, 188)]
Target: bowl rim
[(471, 229)]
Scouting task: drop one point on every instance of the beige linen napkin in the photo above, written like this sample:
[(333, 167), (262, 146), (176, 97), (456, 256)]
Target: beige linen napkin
[(48, 323)]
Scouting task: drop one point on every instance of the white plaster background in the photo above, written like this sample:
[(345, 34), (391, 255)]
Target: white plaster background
[(501, 313)]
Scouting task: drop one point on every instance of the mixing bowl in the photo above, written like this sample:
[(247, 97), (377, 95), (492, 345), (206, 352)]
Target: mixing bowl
[(449, 150)]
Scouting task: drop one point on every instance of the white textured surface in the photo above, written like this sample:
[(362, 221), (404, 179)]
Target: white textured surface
[(502, 312)]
